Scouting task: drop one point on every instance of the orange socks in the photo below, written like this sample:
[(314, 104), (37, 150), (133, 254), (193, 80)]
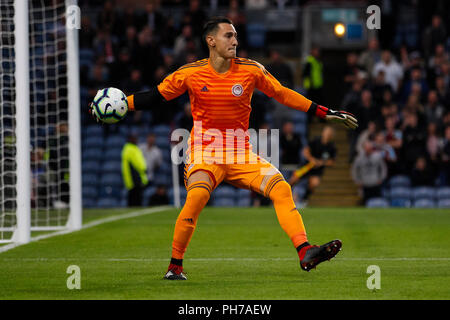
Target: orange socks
[(288, 216), (198, 194)]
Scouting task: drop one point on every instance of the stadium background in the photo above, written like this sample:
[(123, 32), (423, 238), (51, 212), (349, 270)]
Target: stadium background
[(123, 252), (132, 45)]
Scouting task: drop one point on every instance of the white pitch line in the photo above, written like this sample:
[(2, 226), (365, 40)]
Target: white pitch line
[(214, 259), (91, 224)]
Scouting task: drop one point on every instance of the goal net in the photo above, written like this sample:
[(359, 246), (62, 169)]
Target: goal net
[(39, 119)]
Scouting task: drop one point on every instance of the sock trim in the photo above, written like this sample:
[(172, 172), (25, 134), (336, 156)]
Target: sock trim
[(177, 262), (304, 244)]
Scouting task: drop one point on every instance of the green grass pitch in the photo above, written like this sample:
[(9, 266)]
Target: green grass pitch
[(239, 253)]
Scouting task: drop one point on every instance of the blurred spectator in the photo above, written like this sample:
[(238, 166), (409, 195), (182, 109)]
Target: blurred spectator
[(97, 80), (185, 43), (438, 59), (394, 137), (351, 70), (160, 196), (130, 42), (120, 70), (414, 140), (313, 75), (134, 171), (413, 105), (107, 17), (443, 91), (239, 21), (366, 111), (405, 58), (417, 78), (262, 106), (387, 98), (366, 135), (290, 145), (352, 98), (414, 61), (422, 174), (379, 88), (153, 18), (186, 121), (445, 73), (433, 35), (433, 109), (128, 18), (169, 63), (445, 167), (369, 171), (148, 55), (133, 83), (280, 69), (434, 144), (387, 152), (153, 156), (392, 70), (370, 56), (446, 118), (196, 17), (106, 45), (321, 151), (168, 34), (388, 111)]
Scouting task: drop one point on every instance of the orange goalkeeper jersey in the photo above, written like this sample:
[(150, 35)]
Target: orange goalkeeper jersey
[(220, 102)]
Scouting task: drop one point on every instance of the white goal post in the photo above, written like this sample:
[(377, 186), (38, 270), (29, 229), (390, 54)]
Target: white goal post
[(40, 149)]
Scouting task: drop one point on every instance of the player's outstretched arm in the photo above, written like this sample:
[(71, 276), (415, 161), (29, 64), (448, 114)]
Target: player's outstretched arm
[(145, 100), (272, 88), (346, 118)]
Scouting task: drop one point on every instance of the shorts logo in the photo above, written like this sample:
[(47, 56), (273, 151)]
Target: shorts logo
[(237, 90)]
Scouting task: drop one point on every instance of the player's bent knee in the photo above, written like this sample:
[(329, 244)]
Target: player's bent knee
[(280, 190), (200, 176), (198, 195)]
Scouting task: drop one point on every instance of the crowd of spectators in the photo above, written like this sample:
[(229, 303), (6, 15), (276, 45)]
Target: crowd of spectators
[(136, 46), (400, 95), (402, 102)]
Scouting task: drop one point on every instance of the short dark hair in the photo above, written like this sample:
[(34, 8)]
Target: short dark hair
[(213, 24)]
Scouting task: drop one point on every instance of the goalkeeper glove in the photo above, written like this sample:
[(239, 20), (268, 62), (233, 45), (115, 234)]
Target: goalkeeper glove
[(92, 113), (346, 118)]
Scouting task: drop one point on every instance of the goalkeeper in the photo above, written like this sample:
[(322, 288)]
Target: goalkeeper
[(220, 90)]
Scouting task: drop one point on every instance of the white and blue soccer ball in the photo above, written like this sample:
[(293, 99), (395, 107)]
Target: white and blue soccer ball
[(110, 105)]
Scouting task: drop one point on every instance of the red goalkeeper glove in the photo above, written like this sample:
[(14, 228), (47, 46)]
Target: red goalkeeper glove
[(344, 117)]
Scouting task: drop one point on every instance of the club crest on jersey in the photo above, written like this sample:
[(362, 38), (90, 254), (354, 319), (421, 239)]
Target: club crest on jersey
[(237, 90)]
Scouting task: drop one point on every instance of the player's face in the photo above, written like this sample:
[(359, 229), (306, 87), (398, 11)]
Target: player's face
[(226, 41)]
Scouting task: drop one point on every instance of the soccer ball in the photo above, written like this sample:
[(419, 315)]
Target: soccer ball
[(110, 105)]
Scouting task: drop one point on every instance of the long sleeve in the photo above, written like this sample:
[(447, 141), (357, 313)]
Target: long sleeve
[(273, 88)]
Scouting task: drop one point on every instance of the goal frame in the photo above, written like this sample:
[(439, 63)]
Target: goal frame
[(23, 228)]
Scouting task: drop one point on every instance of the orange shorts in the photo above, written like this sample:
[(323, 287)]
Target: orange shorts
[(253, 176)]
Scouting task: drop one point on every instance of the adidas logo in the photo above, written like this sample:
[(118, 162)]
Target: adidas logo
[(189, 220), (204, 89)]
